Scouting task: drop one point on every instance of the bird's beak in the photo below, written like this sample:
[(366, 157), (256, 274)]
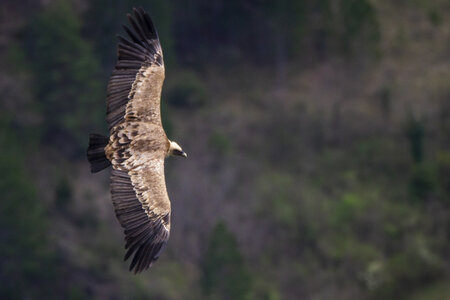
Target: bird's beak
[(184, 154)]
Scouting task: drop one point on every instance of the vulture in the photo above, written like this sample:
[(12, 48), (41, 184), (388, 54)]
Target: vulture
[(137, 144)]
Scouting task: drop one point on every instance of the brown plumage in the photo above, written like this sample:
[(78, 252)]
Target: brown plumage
[(137, 144)]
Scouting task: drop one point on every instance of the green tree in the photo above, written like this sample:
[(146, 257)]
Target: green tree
[(66, 77), (415, 131), (224, 273), (359, 23), (27, 264)]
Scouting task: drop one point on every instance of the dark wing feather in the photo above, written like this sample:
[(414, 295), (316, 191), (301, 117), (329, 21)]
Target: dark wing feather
[(146, 233), (138, 75), (139, 195)]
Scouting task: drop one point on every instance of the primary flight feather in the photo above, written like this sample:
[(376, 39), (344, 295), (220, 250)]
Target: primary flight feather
[(137, 144)]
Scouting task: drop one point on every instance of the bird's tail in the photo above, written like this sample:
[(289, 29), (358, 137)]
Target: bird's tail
[(96, 152)]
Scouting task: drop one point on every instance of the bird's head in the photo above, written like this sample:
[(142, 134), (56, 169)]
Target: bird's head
[(175, 149)]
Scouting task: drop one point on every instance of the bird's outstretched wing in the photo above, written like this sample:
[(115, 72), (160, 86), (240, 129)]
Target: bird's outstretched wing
[(135, 85), (138, 190), (146, 227)]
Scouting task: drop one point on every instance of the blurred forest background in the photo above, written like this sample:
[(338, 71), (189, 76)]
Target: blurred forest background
[(318, 134)]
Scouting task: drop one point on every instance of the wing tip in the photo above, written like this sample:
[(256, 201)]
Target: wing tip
[(147, 252), (146, 234), (142, 17)]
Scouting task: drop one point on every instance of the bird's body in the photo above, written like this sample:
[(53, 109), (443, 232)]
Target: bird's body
[(137, 144)]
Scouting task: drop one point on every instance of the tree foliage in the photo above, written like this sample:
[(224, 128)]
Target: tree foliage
[(224, 272), (65, 73), (27, 262)]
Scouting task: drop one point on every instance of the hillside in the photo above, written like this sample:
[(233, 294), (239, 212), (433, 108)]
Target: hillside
[(318, 142)]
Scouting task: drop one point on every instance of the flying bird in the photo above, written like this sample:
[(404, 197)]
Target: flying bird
[(137, 144)]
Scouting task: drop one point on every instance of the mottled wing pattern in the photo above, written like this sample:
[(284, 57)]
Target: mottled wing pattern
[(146, 233), (138, 190), (139, 71)]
